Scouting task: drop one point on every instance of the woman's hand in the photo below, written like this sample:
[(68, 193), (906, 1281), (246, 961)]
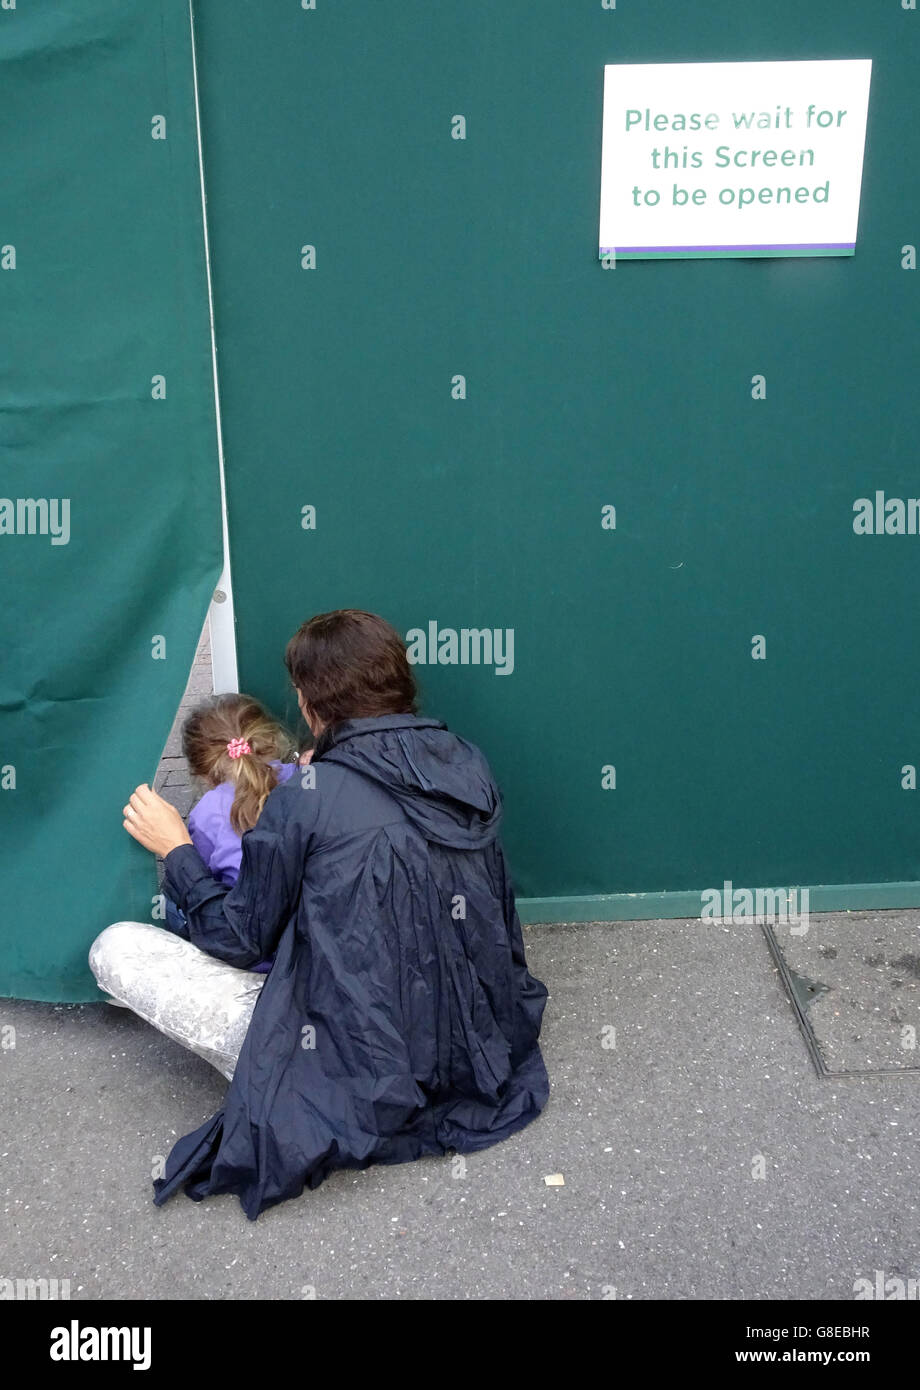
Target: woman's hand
[(153, 822), (305, 757)]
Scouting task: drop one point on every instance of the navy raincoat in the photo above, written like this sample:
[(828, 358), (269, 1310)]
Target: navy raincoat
[(385, 892)]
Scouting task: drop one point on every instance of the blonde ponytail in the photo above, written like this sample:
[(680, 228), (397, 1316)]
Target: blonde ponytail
[(234, 719), (254, 780)]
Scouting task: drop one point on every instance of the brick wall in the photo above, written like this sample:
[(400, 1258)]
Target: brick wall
[(173, 779)]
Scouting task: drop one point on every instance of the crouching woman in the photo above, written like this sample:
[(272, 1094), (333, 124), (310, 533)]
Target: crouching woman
[(399, 1018)]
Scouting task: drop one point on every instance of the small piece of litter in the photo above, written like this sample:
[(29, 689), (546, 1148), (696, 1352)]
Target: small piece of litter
[(555, 1180)]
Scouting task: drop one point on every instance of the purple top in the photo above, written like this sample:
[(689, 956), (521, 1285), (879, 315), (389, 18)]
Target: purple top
[(213, 836)]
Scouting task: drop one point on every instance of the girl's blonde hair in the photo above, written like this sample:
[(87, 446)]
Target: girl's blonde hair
[(205, 736)]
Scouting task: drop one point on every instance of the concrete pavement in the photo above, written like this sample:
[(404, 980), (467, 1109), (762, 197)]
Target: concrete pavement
[(661, 1138)]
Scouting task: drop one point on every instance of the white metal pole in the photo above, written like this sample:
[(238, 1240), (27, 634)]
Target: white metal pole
[(221, 620)]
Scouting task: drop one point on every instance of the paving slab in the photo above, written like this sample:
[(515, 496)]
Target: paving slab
[(856, 977)]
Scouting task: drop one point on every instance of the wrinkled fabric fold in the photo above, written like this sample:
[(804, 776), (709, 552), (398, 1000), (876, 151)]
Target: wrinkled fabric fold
[(190, 1161)]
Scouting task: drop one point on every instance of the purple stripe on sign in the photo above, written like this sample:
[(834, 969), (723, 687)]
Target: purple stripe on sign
[(770, 246)]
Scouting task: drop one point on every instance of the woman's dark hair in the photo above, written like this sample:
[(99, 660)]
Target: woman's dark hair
[(349, 664)]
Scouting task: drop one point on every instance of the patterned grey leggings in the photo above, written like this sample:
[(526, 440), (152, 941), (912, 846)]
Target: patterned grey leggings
[(193, 998)]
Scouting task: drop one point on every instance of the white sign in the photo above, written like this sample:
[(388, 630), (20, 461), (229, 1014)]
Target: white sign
[(732, 159)]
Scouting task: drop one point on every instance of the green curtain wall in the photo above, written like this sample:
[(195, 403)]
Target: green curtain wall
[(435, 257), (103, 288), (431, 391)]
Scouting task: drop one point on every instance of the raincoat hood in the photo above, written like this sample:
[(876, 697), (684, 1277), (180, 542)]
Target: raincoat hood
[(442, 783)]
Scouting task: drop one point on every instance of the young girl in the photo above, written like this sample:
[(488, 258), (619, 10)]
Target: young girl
[(234, 745)]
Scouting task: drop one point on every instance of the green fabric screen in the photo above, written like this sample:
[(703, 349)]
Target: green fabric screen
[(332, 127), (103, 288)]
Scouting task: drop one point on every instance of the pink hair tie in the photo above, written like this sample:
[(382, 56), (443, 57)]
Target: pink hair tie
[(237, 747)]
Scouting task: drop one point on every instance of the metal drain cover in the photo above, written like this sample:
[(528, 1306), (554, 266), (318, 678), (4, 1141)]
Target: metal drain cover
[(854, 982)]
